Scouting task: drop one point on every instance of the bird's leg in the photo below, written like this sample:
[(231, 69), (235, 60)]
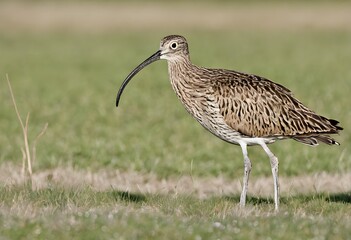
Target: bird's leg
[(247, 170), (274, 166)]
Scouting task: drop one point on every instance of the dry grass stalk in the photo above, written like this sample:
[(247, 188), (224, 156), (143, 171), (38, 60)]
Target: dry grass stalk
[(26, 154), (24, 158)]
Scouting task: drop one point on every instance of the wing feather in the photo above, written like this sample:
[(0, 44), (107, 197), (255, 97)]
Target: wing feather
[(258, 107)]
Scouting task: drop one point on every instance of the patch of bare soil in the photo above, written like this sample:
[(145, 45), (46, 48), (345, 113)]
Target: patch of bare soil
[(200, 187), (105, 17)]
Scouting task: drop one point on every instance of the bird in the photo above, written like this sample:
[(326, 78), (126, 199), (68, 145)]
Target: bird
[(240, 108)]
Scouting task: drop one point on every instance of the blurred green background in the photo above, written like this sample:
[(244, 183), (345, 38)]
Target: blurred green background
[(67, 60)]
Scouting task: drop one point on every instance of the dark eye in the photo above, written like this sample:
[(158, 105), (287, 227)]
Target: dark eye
[(174, 45)]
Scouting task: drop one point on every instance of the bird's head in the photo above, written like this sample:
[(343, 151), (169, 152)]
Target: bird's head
[(173, 48)]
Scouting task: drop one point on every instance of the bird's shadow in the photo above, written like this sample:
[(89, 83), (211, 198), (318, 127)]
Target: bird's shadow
[(336, 198), (250, 200), (345, 197), (127, 196), (339, 197)]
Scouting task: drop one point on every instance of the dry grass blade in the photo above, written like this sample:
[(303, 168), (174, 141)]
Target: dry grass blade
[(26, 144), (24, 129), (24, 157)]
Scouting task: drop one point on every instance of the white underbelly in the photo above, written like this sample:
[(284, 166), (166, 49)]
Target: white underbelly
[(219, 128)]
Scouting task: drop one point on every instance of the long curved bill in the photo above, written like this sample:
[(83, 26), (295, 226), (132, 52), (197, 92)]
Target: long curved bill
[(154, 57)]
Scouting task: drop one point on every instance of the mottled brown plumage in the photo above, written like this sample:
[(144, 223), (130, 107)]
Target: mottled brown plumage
[(240, 108)]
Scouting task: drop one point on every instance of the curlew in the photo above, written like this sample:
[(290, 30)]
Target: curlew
[(239, 108)]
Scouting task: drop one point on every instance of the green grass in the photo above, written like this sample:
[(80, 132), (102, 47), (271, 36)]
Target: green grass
[(71, 81)]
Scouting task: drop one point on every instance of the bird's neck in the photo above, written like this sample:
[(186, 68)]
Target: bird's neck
[(186, 83), (181, 72), (189, 86)]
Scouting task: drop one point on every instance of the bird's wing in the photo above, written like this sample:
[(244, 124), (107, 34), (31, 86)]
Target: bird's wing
[(258, 107)]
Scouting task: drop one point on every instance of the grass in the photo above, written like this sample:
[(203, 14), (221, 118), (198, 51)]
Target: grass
[(70, 80), (86, 214)]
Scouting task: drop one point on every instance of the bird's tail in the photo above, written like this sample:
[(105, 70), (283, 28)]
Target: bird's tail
[(313, 139)]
